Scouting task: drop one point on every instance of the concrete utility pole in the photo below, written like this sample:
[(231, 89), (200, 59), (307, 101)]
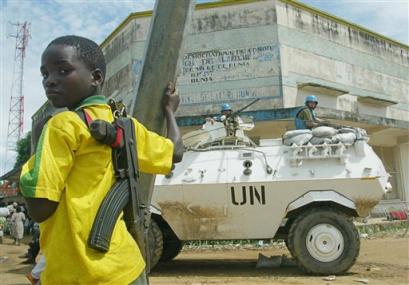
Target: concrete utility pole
[(168, 25)]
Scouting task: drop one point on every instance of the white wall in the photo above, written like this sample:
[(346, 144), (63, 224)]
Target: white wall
[(318, 49), (403, 150)]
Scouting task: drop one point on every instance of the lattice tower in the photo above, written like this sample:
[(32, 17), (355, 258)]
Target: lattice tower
[(16, 111)]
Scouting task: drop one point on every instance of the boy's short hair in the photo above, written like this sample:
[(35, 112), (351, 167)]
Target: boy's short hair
[(88, 51)]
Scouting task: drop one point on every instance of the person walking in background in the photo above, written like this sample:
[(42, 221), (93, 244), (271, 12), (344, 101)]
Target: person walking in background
[(9, 222), (2, 226), (4, 212), (17, 225)]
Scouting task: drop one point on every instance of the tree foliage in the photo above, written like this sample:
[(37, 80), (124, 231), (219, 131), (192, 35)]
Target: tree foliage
[(23, 150)]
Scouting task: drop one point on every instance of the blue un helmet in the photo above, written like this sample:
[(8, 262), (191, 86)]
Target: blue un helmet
[(225, 107), (311, 98)]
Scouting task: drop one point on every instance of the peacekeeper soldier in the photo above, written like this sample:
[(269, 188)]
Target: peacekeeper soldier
[(231, 124), (306, 117), (70, 174), (225, 112)]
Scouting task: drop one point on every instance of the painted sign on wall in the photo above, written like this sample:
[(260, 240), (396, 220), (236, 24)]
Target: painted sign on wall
[(229, 64)]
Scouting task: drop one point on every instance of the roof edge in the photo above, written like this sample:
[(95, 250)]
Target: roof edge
[(149, 13), (11, 172), (222, 3), (311, 9)]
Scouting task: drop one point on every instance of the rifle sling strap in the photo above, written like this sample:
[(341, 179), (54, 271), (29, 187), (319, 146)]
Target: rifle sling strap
[(84, 116), (125, 161)]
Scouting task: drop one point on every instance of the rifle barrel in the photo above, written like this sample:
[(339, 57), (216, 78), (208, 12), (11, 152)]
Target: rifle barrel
[(245, 107)]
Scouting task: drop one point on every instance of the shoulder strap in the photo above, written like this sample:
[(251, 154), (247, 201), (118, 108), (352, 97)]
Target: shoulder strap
[(299, 111), (84, 116)]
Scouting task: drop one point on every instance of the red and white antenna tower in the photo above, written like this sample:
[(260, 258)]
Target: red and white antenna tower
[(16, 111)]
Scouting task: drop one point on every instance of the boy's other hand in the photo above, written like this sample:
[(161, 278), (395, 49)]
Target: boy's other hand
[(171, 99)]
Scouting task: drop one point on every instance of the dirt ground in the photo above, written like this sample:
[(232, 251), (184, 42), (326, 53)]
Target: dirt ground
[(382, 261)]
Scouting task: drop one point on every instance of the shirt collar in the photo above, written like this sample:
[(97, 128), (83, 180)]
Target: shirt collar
[(91, 100)]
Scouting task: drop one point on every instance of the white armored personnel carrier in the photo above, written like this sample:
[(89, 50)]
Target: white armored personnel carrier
[(227, 187)]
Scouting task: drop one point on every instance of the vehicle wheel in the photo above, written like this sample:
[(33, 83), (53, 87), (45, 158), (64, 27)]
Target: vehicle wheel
[(290, 249), (172, 246), (287, 244), (155, 243), (324, 241)]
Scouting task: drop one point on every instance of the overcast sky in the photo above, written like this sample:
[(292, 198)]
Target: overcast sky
[(96, 19)]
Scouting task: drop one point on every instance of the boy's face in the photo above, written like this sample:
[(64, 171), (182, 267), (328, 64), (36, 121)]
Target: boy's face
[(66, 78)]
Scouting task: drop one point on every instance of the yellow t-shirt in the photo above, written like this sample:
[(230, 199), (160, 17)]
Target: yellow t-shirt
[(71, 168)]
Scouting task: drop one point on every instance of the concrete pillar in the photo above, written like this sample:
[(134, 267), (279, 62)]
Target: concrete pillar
[(403, 152)]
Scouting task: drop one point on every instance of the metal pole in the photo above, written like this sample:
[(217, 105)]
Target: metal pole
[(168, 25)]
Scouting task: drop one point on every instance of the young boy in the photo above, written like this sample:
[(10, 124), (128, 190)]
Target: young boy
[(69, 175)]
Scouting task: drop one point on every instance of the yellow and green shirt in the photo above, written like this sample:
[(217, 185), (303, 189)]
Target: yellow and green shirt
[(71, 168)]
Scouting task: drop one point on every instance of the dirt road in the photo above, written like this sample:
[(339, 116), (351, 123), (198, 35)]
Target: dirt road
[(382, 261)]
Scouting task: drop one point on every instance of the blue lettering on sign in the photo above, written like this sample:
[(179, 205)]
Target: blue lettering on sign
[(248, 195)]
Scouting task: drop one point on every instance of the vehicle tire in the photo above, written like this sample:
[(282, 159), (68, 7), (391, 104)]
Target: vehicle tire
[(324, 241), (172, 246), (155, 243), (287, 244), (290, 249)]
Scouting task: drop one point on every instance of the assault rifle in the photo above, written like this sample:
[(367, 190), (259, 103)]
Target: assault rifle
[(124, 194), (235, 113)]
